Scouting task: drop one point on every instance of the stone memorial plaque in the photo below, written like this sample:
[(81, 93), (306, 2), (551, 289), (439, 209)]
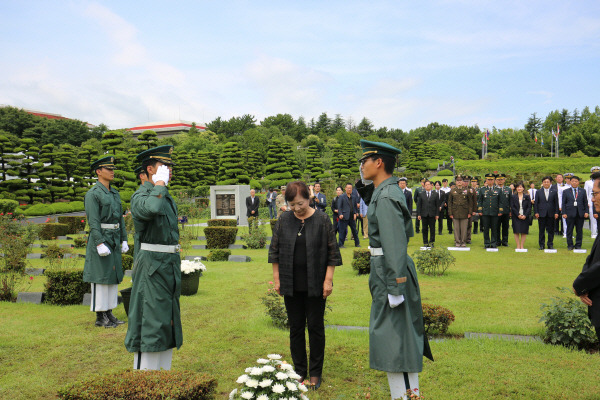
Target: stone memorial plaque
[(550, 251), (492, 250), (424, 248), (225, 205), (581, 251), (520, 250), (459, 248)]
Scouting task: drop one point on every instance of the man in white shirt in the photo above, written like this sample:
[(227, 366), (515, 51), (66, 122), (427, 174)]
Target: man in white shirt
[(588, 186), (560, 186)]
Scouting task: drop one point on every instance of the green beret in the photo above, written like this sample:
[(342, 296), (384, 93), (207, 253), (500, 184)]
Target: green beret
[(160, 153), (104, 162), (370, 148)]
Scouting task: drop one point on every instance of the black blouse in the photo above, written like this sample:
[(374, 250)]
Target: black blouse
[(321, 250)]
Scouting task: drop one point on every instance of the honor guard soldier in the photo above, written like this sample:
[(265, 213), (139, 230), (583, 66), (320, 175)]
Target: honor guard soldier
[(460, 207), (139, 173), (588, 187), (396, 313), (108, 238), (154, 316), (504, 218), (488, 207), (281, 203)]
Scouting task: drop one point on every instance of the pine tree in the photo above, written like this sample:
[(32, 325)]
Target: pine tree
[(27, 171), (291, 160), (314, 164), (207, 168), (231, 167), (278, 170), (147, 140), (339, 163)]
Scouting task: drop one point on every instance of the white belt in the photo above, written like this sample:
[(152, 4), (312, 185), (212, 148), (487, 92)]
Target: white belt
[(109, 226), (376, 251), (160, 248)]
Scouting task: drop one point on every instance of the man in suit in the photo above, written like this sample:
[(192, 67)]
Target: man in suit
[(415, 198), (545, 207), (407, 193), (575, 210), (319, 198), (442, 204), (588, 187), (587, 284), (271, 197), (428, 211), (347, 214), (559, 186), (446, 189), (252, 204)]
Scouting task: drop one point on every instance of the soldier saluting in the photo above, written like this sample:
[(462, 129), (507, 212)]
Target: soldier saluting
[(108, 238)]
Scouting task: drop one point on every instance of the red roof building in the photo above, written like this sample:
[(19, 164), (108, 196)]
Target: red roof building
[(166, 128)]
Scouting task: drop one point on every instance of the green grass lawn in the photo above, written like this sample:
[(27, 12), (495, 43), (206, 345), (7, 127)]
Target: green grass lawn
[(44, 347)]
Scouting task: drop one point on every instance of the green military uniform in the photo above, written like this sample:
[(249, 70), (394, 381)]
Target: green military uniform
[(488, 204), (504, 219), (473, 221), (397, 339), (154, 313), (280, 201), (137, 225)]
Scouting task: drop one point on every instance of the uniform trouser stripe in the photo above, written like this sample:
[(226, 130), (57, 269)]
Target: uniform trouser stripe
[(406, 381), (94, 298)]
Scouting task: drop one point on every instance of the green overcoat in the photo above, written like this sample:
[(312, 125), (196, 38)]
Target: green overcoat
[(103, 206), (154, 316), (397, 340)]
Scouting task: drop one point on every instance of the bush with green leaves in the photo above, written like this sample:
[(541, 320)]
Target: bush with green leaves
[(142, 385), (80, 241), (218, 255), (221, 222), (433, 262), (127, 261), (256, 238), (65, 286), (567, 323), (361, 261), (51, 230), (16, 239), (220, 237), (437, 319), (275, 308), (75, 223), (445, 172), (8, 206)]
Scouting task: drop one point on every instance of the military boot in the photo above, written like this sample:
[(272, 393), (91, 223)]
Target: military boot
[(113, 319), (102, 320)]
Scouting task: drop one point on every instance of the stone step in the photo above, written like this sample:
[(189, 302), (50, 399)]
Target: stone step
[(30, 297), (66, 246), (74, 255), (235, 246), (238, 258)]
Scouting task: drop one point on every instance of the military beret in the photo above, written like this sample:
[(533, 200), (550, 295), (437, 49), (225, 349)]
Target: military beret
[(104, 162), (595, 169), (160, 153), (371, 148)]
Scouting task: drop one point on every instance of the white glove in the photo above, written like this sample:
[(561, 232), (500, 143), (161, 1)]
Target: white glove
[(124, 247), (395, 301), (103, 250), (162, 174)]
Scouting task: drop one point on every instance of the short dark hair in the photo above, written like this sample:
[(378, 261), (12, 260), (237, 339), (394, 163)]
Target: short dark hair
[(427, 180), (296, 188), (452, 183), (389, 163), (576, 177), (339, 187), (547, 177), (148, 162), (438, 183), (595, 175), (444, 180), (520, 183), (349, 184)]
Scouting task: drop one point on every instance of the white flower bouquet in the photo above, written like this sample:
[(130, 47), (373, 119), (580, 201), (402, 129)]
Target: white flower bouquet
[(271, 379), (191, 266)]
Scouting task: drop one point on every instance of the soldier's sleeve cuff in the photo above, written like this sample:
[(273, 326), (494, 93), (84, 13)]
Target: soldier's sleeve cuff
[(397, 286)]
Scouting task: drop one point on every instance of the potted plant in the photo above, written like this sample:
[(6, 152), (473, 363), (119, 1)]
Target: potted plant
[(191, 271)]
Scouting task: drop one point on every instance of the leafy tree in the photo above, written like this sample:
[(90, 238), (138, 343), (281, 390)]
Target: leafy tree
[(147, 140), (364, 128), (533, 126)]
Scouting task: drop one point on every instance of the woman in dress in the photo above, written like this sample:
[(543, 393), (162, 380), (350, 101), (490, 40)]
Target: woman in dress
[(304, 254), (520, 207)]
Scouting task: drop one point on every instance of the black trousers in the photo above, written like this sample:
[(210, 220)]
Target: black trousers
[(502, 230), (449, 223), (417, 225), (360, 224), (303, 310), (428, 230), (489, 226), (546, 224), (577, 223), (343, 228)]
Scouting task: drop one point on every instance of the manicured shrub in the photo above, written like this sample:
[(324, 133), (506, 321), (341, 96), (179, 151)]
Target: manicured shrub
[(8, 206), (80, 241), (52, 230), (218, 255), (222, 222), (437, 319), (220, 237), (256, 238), (127, 261), (275, 308), (65, 287), (39, 209), (76, 224), (361, 261), (434, 261), (54, 208), (567, 323), (138, 385), (445, 172)]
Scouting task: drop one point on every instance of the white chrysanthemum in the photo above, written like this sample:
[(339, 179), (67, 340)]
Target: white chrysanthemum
[(247, 370), (262, 397), (247, 395), (274, 357), (292, 398), (281, 376), (253, 383), (265, 383), (286, 367), (262, 361), (256, 371), (233, 393), (291, 386), (268, 368), (278, 388), (302, 387), (303, 397), (242, 378), (294, 375)]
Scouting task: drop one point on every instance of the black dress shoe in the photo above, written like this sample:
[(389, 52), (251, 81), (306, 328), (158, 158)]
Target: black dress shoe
[(570, 248), (102, 320), (505, 244), (316, 385), (542, 247), (550, 247), (114, 319)]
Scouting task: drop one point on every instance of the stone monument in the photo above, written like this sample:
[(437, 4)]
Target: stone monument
[(229, 202)]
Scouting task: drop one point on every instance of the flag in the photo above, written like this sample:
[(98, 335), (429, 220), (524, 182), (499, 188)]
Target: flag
[(553, 134), (483, 140), (557, 130), (542, 140), (487, 134), (535, 137)]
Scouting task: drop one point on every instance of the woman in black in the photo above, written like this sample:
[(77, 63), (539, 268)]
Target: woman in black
[(334, 210), (304, 254), (520, 207)]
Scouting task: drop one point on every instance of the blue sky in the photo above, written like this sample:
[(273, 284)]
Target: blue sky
[(401, 64)]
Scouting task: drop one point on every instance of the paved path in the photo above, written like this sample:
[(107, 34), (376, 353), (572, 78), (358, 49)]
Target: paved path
[(41, 219)]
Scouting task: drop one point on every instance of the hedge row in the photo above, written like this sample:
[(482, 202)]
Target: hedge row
[(75, 223), (54, 208), (65, 287), (222, 222), (220, 237), (138, 385), (50, 230)]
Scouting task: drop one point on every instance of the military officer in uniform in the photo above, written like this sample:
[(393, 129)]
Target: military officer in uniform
[(488, 207), (474, 220), (504, 218), (139, 172), (460, 207), (154, 317), (397, 340), (281, 203), (108, 238)]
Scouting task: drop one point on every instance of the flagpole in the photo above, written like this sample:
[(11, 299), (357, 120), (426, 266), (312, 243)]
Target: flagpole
[(552, 144)]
